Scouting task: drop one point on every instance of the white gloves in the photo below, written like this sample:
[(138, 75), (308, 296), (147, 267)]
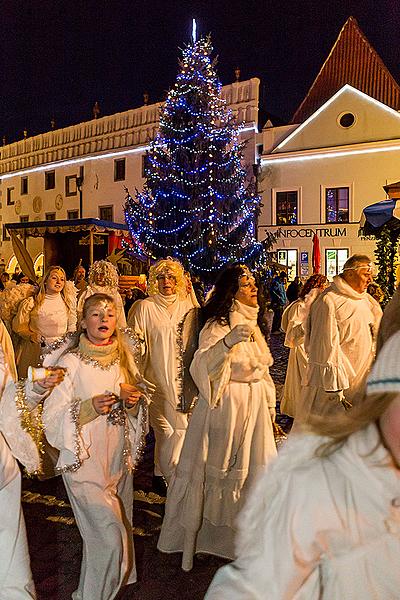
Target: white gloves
[(272, 413), (240, 333), (338, 397)]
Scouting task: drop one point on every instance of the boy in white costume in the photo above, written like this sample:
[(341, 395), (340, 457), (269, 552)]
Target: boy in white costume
[(19, 434), (156, 320), (230, 436), (323, 523), (97, 419)]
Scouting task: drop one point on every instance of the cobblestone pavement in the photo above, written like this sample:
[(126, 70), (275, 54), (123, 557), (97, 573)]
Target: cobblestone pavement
[(55, 544)]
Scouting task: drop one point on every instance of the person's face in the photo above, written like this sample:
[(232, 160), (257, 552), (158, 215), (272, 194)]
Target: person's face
[(247, 292), (100, 278), (360, 277), (24, 279), (5, 277), (100, 322), (55, 282), (166, 283), (389, 424), (80, 274)]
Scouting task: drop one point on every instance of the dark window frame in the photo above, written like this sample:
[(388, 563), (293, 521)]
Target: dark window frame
[(51, 216), (24, 186), (106, 207), (68, 179), (10, 201), (73, 214), (49, 180), (118, 162)]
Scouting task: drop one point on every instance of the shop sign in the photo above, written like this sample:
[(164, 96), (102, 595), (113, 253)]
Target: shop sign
[(308, 232)]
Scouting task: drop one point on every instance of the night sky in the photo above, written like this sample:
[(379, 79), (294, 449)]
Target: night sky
[(58, 57)]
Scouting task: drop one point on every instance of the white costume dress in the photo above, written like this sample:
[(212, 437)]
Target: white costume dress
[(91, 460), (16, 581), (228, 442), (52, 320), (103, 289), (340, 341), (156, 320), (319, 529)]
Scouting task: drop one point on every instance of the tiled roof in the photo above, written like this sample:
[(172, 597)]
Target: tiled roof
[(354, 61)]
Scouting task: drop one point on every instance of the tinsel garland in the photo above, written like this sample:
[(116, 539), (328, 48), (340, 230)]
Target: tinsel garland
[(31, 421), (74, 413)]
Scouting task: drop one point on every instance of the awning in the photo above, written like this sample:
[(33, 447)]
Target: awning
[(375, 216), (40, 228)]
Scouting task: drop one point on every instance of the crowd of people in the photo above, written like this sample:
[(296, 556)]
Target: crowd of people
[(85, 374)]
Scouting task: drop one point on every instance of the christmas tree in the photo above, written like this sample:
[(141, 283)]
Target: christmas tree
[(197, 204)]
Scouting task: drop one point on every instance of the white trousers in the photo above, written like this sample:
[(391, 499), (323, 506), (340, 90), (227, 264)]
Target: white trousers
[(169, 427)]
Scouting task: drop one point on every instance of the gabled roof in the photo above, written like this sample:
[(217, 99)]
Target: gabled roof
[(354, 61)]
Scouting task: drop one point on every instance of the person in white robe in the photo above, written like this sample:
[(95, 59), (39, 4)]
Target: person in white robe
[(103, 279), (44, 319), (323, 522), (19, 439), (293, 324), (230, 435), (156, 320), (97, 419), (340, 341)]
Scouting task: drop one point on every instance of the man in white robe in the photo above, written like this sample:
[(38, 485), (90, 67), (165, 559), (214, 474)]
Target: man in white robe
[(340, 341), (156, 320)]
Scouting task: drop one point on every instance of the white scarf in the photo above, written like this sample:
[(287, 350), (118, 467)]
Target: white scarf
[(167, 302)]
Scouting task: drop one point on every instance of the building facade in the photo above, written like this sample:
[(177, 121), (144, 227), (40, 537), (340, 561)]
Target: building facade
[(82, 171)]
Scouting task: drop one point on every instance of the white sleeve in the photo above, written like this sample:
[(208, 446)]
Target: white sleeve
[(277, 549)]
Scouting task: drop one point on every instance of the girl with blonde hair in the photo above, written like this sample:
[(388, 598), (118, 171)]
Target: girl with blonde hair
[(323, 523), (44, 319), (97, 419)]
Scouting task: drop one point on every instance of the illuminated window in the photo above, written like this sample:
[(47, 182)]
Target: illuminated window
[(70, 185), (289, 259), (337, 205), (286, 208), (334, 261)]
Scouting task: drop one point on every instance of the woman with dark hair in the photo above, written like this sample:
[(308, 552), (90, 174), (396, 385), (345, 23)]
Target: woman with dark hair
[(230, 436), (293, 321)]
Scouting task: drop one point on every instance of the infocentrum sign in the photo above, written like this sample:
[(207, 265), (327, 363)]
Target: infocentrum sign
[(308, 232)]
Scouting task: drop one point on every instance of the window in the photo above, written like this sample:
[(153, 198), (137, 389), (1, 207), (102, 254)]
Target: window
[(73, 214), (70, 185), (334, 261), (50, 216), (289, 259), (346, 120), (49, 180), (106, 213), (286, 208), (10, 194), (6, 237), (337, 205), (24, 219), (119, 169), (145, 164), (24, 186)]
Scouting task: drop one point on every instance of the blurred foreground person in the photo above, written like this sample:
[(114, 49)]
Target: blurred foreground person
[(20, 438), (340, 342), (97, 419), (230, 435), (323, 523), (293, 324)]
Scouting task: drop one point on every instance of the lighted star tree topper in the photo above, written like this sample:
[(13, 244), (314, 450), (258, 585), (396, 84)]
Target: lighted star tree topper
[(197, 204)]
